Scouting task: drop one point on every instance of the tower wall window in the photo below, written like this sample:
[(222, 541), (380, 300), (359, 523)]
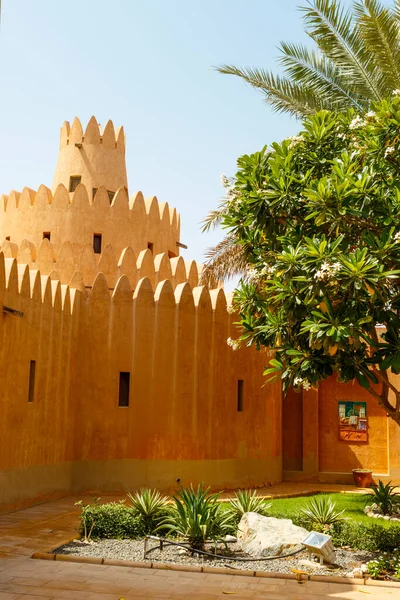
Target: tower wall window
[(32, 376), (97, 240), (74, 181), (240, 395), (46, 235), (150, 246), (124, 385)]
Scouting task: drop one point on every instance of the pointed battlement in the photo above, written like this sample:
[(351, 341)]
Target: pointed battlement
[(94, 134), (80, 268), (78, 218), (94, 157)]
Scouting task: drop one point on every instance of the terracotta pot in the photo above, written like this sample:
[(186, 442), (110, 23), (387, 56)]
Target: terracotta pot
[(362, 478)]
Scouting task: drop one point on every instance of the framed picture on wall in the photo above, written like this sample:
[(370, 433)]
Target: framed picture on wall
[(352, 421)]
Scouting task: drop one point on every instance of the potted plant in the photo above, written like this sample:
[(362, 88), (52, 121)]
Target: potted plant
[(362, 477)]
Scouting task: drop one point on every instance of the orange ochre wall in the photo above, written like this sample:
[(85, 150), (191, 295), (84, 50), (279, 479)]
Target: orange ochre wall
[(182, 422), (341, 456)]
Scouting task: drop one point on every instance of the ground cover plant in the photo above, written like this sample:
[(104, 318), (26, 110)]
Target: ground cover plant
[(386, 565)]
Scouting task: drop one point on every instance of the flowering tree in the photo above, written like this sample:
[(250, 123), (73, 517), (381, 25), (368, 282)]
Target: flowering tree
[(318, 220)]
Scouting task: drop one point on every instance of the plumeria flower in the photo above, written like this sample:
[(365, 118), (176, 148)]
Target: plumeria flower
[(370, 116), (396, 92), (389, 150), (295, 140), (327, 270), (356, 123), (301, 382), (234, 344)]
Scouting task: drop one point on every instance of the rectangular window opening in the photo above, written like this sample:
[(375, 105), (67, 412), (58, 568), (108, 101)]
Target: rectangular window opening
[(46, 235), (97, 239), (150, 246), (32, 374), (8, 238), (74, 181), (240, 395), (124, 383)]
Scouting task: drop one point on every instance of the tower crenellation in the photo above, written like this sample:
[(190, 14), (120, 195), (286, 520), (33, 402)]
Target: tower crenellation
[(89, 202), (94, 157)]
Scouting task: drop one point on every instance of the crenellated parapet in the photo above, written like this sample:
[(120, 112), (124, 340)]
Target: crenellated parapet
[(137, 222), (79, 269), (94, 157)]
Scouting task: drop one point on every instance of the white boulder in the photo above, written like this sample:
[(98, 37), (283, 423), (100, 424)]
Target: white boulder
[(267, 536)]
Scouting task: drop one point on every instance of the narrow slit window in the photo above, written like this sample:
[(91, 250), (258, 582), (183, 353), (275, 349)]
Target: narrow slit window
[(97, 239), (240, 395), (32, 375), (150, 246), (94, 192), (124, 384), (46, 235), (74, 181), (110, 195)]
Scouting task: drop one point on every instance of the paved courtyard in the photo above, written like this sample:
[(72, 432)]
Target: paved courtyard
[(46, 526)]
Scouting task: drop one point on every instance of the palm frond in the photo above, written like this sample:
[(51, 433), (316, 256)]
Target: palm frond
[(283, 94), (214, 218), (224, 261), (312, 70), (379, 29), (333, 29)]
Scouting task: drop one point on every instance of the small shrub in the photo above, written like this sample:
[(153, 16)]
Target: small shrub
[(384, 497), (321, 511), (149, 506), (372, 537), (112, 520), (197, 516)]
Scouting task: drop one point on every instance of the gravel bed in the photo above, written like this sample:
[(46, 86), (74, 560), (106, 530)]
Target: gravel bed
[(346, 560)]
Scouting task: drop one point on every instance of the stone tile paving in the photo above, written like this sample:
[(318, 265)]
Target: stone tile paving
[(49, 525)]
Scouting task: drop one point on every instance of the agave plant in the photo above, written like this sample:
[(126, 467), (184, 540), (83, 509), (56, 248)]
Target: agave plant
[(385, 497), (246, 501), (322, 511), (197, 516), (150, 506)]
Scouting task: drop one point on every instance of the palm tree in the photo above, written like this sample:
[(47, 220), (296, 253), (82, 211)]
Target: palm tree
[(355, 62)]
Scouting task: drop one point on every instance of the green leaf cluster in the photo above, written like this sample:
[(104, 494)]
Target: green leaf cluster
[(113, 520), (318, 219)]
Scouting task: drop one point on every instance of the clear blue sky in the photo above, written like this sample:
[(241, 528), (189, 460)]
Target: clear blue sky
[(148, 65)]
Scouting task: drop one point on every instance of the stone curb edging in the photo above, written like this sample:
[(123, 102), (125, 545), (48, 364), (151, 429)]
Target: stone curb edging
[(216, 570)]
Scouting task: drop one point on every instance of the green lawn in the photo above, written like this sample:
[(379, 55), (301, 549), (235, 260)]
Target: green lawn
[(353, 504)]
